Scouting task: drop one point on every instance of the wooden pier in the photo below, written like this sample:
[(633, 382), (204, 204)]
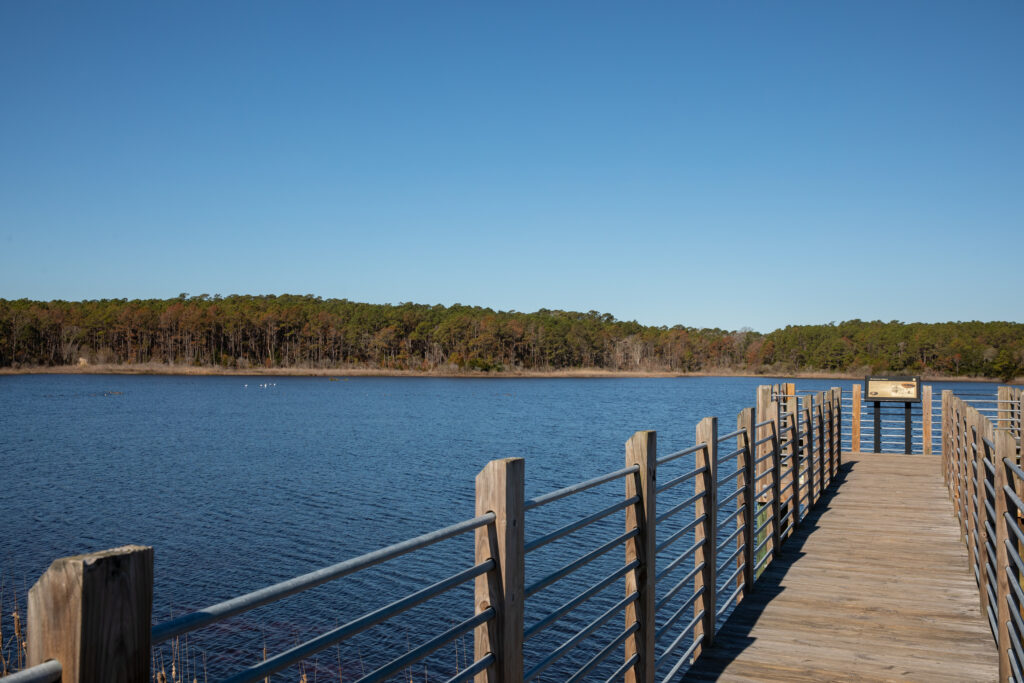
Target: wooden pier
[(874, 586), (760, 553)]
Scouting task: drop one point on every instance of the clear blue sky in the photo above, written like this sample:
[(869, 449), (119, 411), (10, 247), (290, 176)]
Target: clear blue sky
[(711, 164)]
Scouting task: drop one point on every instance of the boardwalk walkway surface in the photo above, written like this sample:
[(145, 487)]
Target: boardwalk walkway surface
[(873, 586)]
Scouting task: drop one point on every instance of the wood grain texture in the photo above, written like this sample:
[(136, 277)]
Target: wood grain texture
[(871, 587), (641, 450), (707, 433), (92, 613), (499, 489), (855, 421)]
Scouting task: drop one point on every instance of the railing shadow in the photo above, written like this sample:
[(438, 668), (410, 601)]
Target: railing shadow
[(734, 635)]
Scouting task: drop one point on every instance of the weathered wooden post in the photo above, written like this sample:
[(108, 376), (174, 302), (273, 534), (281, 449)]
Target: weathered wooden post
[(813, 483), (745, 444), (642, 451), (823, 438), (855, 420), (499, 489), (837, 424), (92, 613), (707, 505), (945, 443), (761, 414), (776, 462), (794, 463), (1006, 449), (1003, 407), (926, 419), (980, 553), (969, 481)]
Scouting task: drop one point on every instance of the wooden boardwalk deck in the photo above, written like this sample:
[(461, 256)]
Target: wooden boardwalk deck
[(873, 586)]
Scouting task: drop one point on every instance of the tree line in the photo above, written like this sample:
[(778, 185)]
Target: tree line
[(292, 331)]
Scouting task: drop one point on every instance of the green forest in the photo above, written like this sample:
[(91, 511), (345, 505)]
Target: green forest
[(292, 331)]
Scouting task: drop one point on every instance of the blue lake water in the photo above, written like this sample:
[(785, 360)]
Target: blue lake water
[(241, 482)]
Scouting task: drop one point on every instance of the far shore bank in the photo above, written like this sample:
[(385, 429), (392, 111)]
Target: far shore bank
[(582, 373)]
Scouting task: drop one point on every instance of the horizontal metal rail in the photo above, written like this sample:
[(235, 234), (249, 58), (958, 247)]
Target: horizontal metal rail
[(534, 629), (760, 546), (579, 524), (763, 526), (551, 618), (678, 454), (763, 561), (244, 603), (473, 669), (579, 487), (730, 435), (731, 557), (764, 491), (675, 509), (731, 516), (311, 647), (621, 671), (540, 585), (418, 653), (675, 643), (47, 672), (679, 534), (729, 456), (681, 479), (729, 477), (732, 577), (763, 423), (572, 642), (725, 604), (685, 657), (605, 651), (671, 621), (676, 588), (731, 497), (679, 560)]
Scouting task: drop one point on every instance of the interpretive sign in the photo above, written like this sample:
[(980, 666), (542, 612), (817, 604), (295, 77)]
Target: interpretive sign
[(902, 389)]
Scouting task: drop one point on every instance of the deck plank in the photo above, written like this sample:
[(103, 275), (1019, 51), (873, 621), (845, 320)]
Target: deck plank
[(873, 586)]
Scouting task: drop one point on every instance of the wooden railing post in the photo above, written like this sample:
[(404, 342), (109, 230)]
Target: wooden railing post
[(824, 466), (776, 462), (92, 613), (794, 462), (1006, 448), (970, 493), (707, 505), (945, 443), (1003, 407), (837, 424), (641, 450), (926, 419), (960, 444), (762, 413), (981, 552), (813, 481), (855, 420), (499, 489), (745, 441)]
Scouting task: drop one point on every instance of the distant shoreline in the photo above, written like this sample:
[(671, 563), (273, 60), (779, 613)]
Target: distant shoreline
[(580, 373)]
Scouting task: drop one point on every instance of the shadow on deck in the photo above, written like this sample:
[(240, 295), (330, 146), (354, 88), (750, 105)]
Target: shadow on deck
[(872, 586)]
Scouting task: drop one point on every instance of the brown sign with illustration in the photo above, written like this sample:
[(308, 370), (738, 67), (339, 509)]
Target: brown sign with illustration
[(906, 389)]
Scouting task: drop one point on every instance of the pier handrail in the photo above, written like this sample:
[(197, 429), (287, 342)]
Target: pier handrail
[(746, 501), (981, 466)]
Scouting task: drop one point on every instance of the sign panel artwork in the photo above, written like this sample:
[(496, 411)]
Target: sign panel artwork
[(906, 389)]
